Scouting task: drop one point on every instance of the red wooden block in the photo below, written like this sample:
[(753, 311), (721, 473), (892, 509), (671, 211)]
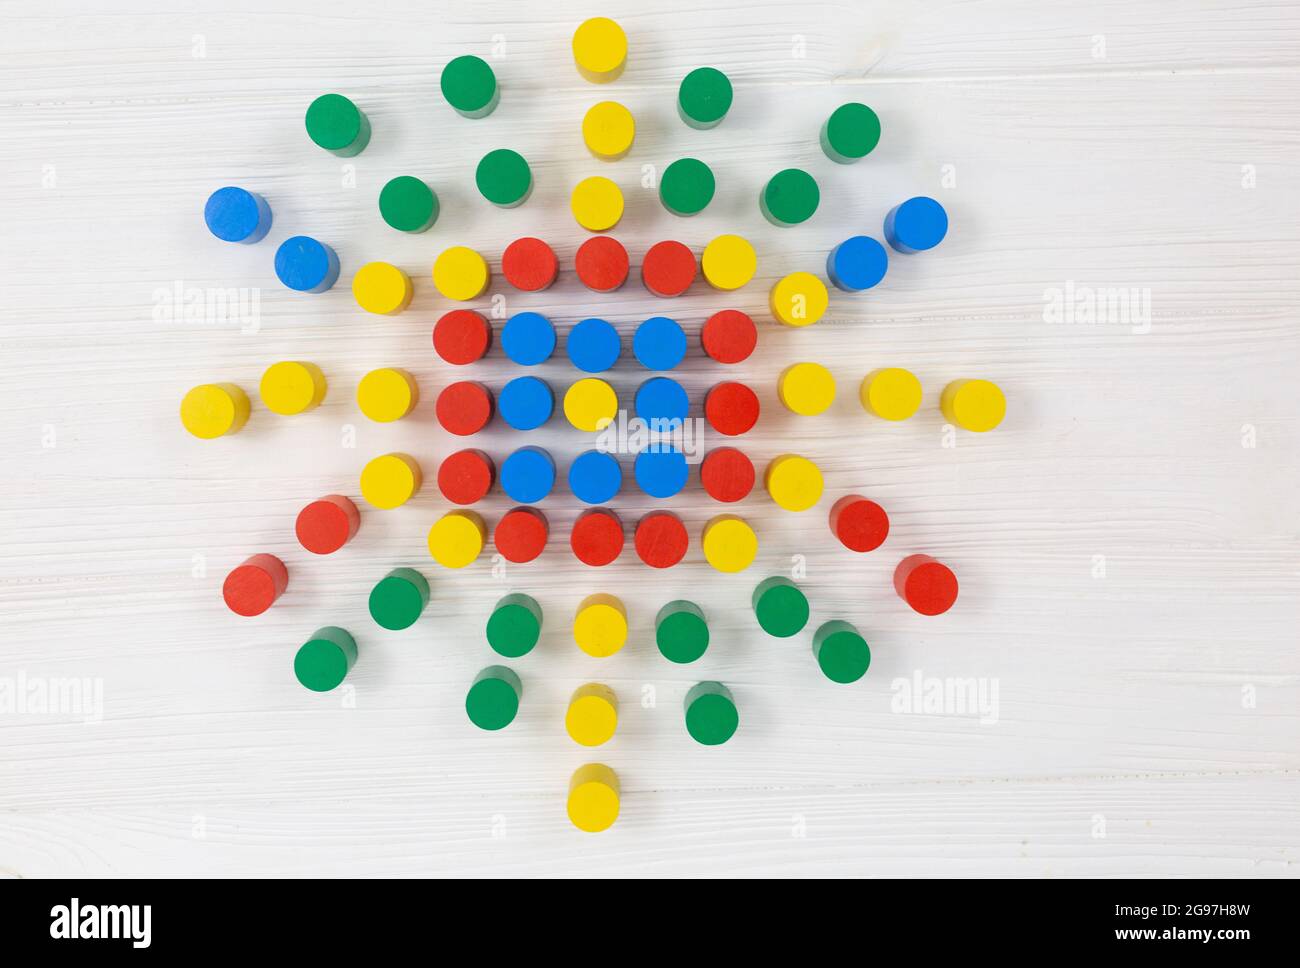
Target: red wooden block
[(521, 535), (597, 537), (729, 336), (462, 336), (464, 408), (529, 264), (661, 539), (929, 586), (601, 263), (255, 585), (668, 269), (466, 476), (731, 408), (727, 474), (861, 525), (325, 526)]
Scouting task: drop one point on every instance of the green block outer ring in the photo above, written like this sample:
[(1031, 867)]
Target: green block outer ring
[(687, 187), (515, 625), (789, 197), (704, 98), (493, 699), (681, 632), (711, 714), (504, 178), (408, 204), (337, 125), (325, 659), (841, 651), (775, 601), (850, 133), (470, 86), (397, 601)]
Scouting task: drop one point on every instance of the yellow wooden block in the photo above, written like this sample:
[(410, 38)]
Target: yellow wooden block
[(593, 798), (291, 387), (793, 482), (214, 410), (608, 129), (460, 273), (892, 393), (975, 405), (600, 625), (597, 203), (391, 480), (729, 543), (599, 49), (800, 299), (729, 262), (382, 288), (387, 394), (590, 404), (806, 388), (457, 538), (592, 715)]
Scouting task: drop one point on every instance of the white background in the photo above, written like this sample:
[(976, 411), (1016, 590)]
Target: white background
[(1128, 560)]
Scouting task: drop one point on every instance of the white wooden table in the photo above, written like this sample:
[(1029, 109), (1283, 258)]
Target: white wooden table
[(1127, 540)]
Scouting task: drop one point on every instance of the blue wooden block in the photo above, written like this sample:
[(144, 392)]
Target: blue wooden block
[(916, 225), (525, 403), (857, 263), (662, 403), (305, 265), (528, 338), (237, 215), (595, 477), (659, 343), (593, 345), (660, 471), (528, 475)]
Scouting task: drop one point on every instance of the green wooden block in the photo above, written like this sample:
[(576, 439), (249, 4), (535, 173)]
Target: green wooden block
[(681, 631), (711, 715), (397, 601), (790, 197), (850, 133), (514, 625), (687, 186), (408, 204), (338, 125), (841, 652), (780, 606), (704, 97), (493, 699), (323, 661), (504, 178), (470, 86)]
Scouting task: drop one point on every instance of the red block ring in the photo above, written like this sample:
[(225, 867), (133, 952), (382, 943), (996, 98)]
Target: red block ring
[(597, 537), (861, 525), (661, 539), (529, 264), (521, 535)]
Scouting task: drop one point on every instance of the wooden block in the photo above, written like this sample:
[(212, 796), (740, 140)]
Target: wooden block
[(466, 476), (528, 475), (595, 477), (521, 535), (729, 336), (526, 403), (704, 98), (398, 599), (687, 186), (381, 288), (593, 345), (600, 625), (668, 269), (457, 538), (927, 585), (593, 802), (493, 699), (659, 343), (590, 404), (711, 715), (326, 525), (408, 204), (793, 482), (916, 225), (305, 265), (324, 660), (660, 471), (504, 178), (729, 543), (850, 133), (391, 480), (387, 394), (727, 475), (861, 525), (592, 716), (891, 393), (596, 203), (789, 197), (460, 273), (529, 264), (731, 408), (974, 405), (661, 539), (597, 537), (841, 652), (806, 389), (292, 387), (515, 625), (681, 632), (237, 215), (608, 130), (601, 264), (599, 49), (462, 336), (464, 408), (729, 262), (337, 125), (470, 86), (857, 264), (214, 409), (780, 606), (662, 403), (252, 587), (528, 339), (799, 299)]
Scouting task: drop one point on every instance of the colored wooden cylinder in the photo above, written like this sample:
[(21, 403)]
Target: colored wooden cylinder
[(324, 660), (799, 299), (408, 204), (493, 699), (927, 585), (850, 133), (780, 607), (504, 178), (687, 186), (464, 408), (660, 471), (597, 537), (711, 714), (214, 410), (806, 389), (526, 403), (659, 343), (521, 535), (470, 86), (593, 345), (857, 264), (528, 339), (729, 543), (235, 214), (382, 288), (704, 98), (387, 394), (590, 404), (457, 538), (841, 652), (794, 483), (599, 50), (596, 203), (602, 264), (253, 586), (593, 802), (916, 225), (731, 408), (681, 632), (600, 625), (974, 405), (391, 480), (661, 539), (891, 393), (466, 476), (595, 477), (729, 262), (729, 336), (592, 716), (515, 625), (668, 268), (789, 197), (859, 524), (460, 273), (529, 264), (326, 525), (528, 475), (608, 130), (292, 387), (304, 264), (398, 599), (727, 475), (662, 403), (462, 336), (337, 125)]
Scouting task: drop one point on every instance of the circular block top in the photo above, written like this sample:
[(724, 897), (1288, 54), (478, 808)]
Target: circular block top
[(806, 388), (525, 403), (729, 336), (729, 262), (687, 186), (659, 343), (504, 178), (841, 652), (407, 204), (662, 403), (398, 599), (711, 716), (529, 264), (252, 587), (290, 387), (593, 798), (892, 393), (861, 525), (780, 607), (469, 85), (462, 336), (799, 299), (390, 481), (493, 700), (597, 537), (521, 534), (600, 625), (237, 215), (528, 475), (214, 410), (790, 197), (592, 716), (528, 338), (597, 203), (464, 408), (599, 49), (975, 405), (515, 625), (593, 345), (857, 264), (661, 471), (595, 477), (602, 264), (325, 526), (590, 404), (305, 265), (731, 408), (661, 539), (466, 476), (387, 394), (850, 133), (334, 122), (608, 129), (793, 482), (704, 97), (323, 661), (928, 586), (460, 273), (916, 225), (381, 288), (457, 538), (668, 269), (681, 632), (729, 543), (727, 475)]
